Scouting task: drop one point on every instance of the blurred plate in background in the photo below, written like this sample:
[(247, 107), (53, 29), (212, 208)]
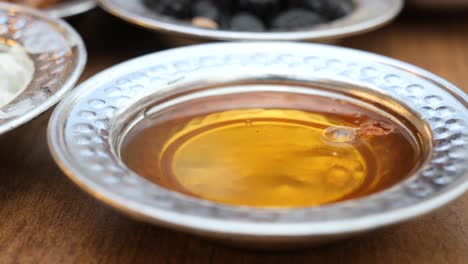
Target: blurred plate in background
[(70, 8), (63, 9), (368, 15), (57, 53)]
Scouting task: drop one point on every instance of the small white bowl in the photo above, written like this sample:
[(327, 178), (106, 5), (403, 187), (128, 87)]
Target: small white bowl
[(58, 55)]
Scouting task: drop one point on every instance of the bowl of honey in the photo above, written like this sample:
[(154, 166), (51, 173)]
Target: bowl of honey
[(265, 144)]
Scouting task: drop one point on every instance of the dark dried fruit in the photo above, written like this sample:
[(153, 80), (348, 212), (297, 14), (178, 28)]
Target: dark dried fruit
[(246, 22), (296, 19), (176, 8), (260, 8), (206, 9), (332, 9), (253, 15)]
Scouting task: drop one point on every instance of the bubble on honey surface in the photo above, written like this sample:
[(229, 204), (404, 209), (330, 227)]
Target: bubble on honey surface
[(339, 134), (248, 122)]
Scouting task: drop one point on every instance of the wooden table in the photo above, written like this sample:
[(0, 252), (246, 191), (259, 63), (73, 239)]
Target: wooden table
[(44, 218)]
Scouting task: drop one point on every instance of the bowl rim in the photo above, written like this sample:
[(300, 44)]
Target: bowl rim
[(70, 8), (346, 27), (73, 39), (418, 200)]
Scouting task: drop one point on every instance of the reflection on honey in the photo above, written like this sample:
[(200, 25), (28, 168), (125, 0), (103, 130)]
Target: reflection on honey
[(323, 152)]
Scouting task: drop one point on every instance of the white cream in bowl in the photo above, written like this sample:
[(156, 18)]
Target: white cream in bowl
[(16, 72)]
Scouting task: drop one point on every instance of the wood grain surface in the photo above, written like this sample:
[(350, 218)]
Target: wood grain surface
[(44, 218)]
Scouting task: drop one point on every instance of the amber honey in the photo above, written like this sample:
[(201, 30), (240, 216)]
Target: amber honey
[(271, 149)]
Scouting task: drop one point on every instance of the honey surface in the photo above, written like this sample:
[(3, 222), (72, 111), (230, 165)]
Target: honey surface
[(273, 157)]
